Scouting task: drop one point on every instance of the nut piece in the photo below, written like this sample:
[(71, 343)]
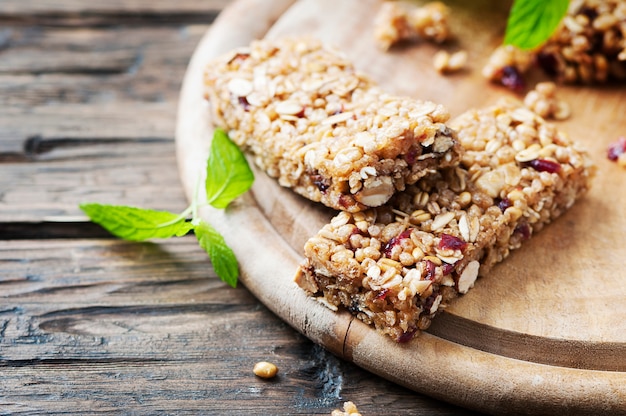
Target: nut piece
[(349, 409), (506, 65), (264, 369), (376, 191), (543, 101), (447, 63), (469, 276)]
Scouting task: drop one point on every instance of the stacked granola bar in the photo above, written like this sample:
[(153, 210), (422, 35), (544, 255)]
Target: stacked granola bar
[(424, 210), (396, 266), (318, 126)]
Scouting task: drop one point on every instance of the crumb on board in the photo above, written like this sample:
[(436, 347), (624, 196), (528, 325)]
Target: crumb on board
[(349, 409), (265, 370), (507, 66), (543, 101), (445, 62), (399, 21), (617, 152)]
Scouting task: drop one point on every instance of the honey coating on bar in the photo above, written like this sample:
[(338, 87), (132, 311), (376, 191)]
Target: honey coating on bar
[(317, 125), (396, 266)]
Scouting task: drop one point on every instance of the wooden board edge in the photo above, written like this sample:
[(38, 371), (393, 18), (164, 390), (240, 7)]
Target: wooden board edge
[(440, 368)]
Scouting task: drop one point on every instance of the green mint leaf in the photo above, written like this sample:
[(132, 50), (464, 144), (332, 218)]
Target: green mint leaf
[(222, 257), (532, 22), (137, 224), (228, 172)]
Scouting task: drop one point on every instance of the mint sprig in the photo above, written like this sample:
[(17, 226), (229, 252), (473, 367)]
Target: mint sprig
[(532, 22), (228, 175)]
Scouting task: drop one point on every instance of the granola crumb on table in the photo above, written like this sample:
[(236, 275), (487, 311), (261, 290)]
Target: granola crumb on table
[(617, 152), (543, 101), (313, 122), (444, 62), (349, 409), (396, 266), (399, 21), (507, 65)]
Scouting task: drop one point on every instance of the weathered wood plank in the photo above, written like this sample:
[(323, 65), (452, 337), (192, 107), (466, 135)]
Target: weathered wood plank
[(105, 325), (109, 13), (133, 172), (29, 7), (116, 120), (48, 66)]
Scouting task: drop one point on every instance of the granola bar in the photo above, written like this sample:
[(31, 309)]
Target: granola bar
[(312, 121), (590, 44), (396, 266)]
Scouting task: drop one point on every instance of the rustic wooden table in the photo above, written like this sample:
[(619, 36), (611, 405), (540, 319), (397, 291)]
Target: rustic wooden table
[(92, 324)]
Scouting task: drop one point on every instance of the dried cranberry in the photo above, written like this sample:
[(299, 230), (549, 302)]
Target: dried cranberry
[(382, 294), (450, 242), (411, 156), (348, 244), (512, 78), (321, 182), (430, 301), (504, 203), (407, 336), (545, 165), (616, 149), (300, 114), (447, 268), (549, 63), (239, 57), (431, 269), (345, 201), (395, 241), (523, 229), (244, 103)]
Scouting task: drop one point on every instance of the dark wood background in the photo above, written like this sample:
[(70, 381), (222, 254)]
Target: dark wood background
[(92, 324)]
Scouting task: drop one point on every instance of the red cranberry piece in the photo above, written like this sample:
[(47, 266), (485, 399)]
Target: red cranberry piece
[(407, 336), (616, 149), (447, 268), (382, 294), (243, 101), (411, 156), (321, 182), (544, 165), (524, 230), (239, 57), (504, 203), (430, 270), (348, 244), (395, 241), (429, 301), (345, 201), (451, 242), (512, 78)]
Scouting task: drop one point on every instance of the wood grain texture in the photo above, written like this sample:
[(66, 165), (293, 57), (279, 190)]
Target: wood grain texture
[(543, 332), (114, 327)]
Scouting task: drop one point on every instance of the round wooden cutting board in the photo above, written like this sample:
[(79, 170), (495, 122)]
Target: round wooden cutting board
[(544, 332)]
